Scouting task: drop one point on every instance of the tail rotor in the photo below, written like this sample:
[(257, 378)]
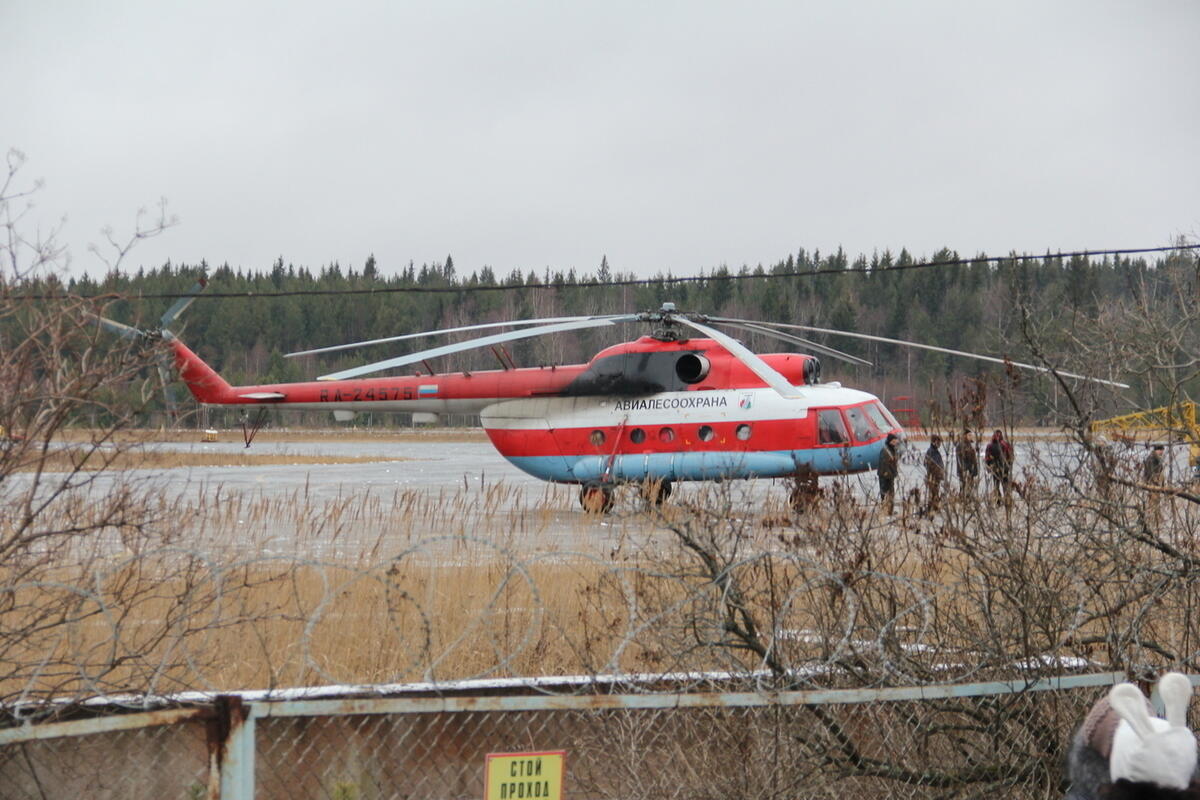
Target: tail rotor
[(161, 334)]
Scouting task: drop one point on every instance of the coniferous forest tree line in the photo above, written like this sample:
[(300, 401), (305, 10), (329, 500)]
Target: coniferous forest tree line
[(979, 307)]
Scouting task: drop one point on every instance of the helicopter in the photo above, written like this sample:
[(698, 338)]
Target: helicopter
[(684, 402)]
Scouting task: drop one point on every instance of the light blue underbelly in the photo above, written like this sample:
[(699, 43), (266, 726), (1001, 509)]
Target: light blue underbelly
[(697, 466)]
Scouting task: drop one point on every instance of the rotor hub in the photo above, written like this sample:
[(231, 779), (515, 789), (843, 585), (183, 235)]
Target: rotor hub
[(667, 327)]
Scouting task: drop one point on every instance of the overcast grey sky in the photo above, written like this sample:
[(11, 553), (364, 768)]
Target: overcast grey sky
[(672, 136)]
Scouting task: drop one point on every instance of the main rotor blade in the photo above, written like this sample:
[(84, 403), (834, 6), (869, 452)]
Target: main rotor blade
[(472, 344), (786, 337), (759, 367), (963, 353), (182, 303), (482, 326)]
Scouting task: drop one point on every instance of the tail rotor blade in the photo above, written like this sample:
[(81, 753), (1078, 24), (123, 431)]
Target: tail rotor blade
[(164, 375), (119, 328), (182, 303)]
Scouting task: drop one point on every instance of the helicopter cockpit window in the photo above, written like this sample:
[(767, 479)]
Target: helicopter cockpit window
[(863, 430), (830, 428), (888, 415), (705, 433), (637, 436), (876, 415), (597, 438)]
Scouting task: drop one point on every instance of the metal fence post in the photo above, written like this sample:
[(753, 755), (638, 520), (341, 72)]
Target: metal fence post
[(231, 750)]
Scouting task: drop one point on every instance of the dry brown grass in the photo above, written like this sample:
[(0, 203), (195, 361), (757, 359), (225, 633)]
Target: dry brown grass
[(241, 590), (368, 588), (253, 591), (289, 624)]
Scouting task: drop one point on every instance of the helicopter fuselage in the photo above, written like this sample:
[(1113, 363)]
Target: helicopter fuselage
[(647, 409), (701, 435)]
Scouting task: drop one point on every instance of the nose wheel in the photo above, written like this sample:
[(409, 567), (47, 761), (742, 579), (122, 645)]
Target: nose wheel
[(596, 498)]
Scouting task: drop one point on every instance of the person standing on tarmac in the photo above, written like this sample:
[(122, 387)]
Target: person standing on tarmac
[(1153, 466), (966, 458), (998, 457), (935, 472), (887, 470), (1153, 473)]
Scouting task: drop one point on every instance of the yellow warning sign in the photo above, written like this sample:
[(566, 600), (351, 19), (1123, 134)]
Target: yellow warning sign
[(519, 776)]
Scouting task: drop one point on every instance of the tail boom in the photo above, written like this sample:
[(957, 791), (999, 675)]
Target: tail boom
[(458, 393)]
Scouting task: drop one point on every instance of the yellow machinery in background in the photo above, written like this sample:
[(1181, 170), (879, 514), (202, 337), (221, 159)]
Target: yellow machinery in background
[(1173, 425)]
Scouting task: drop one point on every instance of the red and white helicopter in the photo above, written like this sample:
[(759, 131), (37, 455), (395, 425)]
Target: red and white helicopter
[(686, 402)]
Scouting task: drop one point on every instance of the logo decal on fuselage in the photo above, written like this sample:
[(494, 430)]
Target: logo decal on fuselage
[(746, 401)]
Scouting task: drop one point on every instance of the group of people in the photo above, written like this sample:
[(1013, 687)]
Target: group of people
[(997, 458)]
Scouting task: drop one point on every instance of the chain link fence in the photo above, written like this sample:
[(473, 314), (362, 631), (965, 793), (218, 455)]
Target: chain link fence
[(995, 740), (151, 760)]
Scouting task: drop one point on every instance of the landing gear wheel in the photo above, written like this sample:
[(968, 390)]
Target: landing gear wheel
[(596, 498), (656, 492)]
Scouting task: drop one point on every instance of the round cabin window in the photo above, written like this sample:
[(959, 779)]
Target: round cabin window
[(743, 432), (637, 436), (597, 438), (705, 433), (666, 434)]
